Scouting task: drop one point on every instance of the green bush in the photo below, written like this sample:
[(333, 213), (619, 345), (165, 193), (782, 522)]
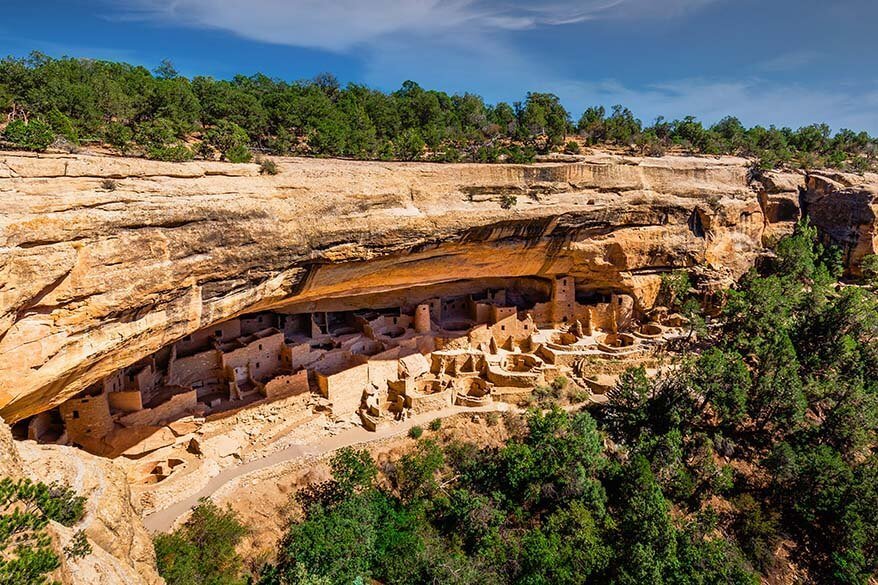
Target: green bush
[(267, 167), (869, 268), (33, 135), (487, 154), (175, 153), (203, 549), (79, 546), (508, 201), (520, 155), (559, 383), (231, 140), (572, 147), (415, 432), (63, 126), (119, 136), (576, 395), (756, 529), (449, 155), (155, 134), (409, 145), (435, 424), (547, 395), (239, 154), (675, 287)]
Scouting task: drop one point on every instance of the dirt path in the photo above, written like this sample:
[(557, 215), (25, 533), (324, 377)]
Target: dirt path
[(163, 520)]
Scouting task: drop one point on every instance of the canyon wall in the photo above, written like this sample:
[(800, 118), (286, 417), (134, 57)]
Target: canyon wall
[(842, 206), (104, 260), (845, 208)]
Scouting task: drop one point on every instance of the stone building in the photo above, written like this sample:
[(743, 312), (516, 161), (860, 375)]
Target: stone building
[(87, 418), (421, 355)]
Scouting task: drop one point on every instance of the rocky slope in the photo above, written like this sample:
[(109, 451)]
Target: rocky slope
[(122, 550), (104, 260)]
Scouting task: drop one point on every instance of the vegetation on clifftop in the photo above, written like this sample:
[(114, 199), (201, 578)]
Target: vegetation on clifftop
[(756, 454), (165, 116)]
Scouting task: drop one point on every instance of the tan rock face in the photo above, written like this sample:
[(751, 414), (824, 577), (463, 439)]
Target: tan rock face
[(122, 545), (844, 207), (122, 550), (10, 462), (93, 279), (779, 196)]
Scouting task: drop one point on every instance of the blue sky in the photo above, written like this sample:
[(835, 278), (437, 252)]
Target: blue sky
[(788, 62)]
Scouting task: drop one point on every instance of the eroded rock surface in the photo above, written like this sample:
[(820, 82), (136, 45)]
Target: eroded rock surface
[(122, 550), (105, 260), (111, 522), (845, 207)]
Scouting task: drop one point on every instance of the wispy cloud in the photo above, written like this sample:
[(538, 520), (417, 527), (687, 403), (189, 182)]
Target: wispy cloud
[(340, 25), (754, 101), (789, 61)]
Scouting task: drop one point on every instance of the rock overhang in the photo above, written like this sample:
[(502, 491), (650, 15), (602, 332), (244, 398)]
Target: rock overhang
[(94, 279)]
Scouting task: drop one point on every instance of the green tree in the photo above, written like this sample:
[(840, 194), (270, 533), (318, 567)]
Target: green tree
[(645, 529), (203, 549), (26, 508), (621, 126), (119, 136), (409, 145), (543, 115), (869, 268), (226, 136), (723, 381), (567, 549), (592, 125)]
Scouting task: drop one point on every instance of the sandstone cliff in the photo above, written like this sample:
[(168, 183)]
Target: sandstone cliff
[(845, 208), (105, 260)]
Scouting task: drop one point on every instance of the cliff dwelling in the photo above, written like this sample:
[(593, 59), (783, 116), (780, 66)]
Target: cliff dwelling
[(409, 352)]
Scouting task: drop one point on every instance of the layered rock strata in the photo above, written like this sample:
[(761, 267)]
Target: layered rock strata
[(104, 260)]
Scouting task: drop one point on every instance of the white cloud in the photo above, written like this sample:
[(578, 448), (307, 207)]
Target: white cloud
[(340, 25), (789, 61)]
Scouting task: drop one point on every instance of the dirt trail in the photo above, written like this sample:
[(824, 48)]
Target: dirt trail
[(163, 520)]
